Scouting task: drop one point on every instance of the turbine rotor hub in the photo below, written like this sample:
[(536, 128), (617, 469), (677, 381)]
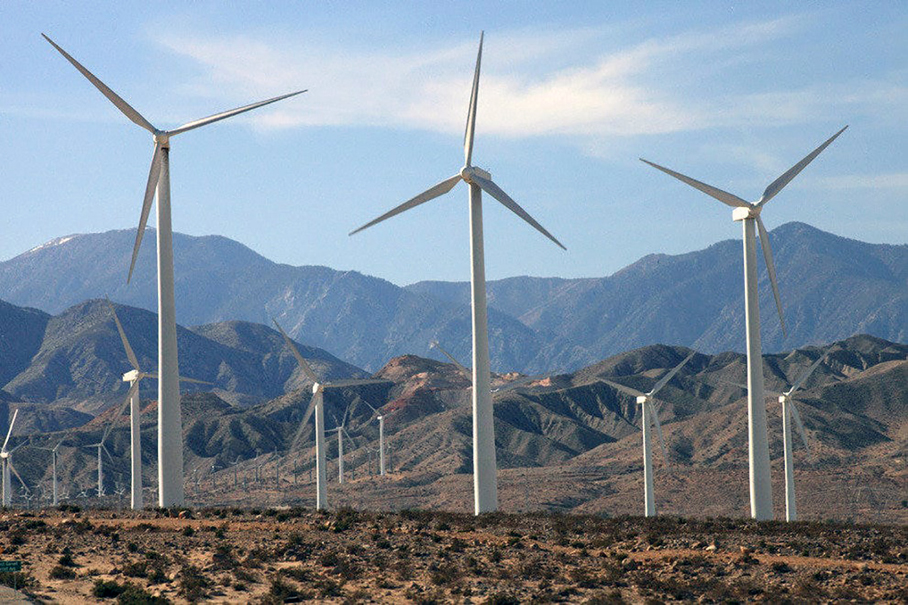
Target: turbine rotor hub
[(468, 172), (162, 138)]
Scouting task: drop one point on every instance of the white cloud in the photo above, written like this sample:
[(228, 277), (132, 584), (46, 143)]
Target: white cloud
[(530, 86), (876, 182)]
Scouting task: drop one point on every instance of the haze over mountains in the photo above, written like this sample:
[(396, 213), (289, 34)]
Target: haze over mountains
[(832, 287)]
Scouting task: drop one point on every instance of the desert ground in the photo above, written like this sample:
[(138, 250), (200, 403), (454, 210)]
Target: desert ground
[(274, 555)]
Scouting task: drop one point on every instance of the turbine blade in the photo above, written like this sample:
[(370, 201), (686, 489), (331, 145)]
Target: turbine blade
[(296, 353), (230, 113), (807, 374), (104, 447), (194, 380), (664, 380), (346, 415), (153, 175), (797, 418), (26, 442), (12, 467), (427, 195), (122, 105), (306, 417), (471, 114), (723, 196), (623, 389), (129, 353), (777, 185), (460, 368), (771, 269), (129, 394), (9, 431), (652, 412), (339, 384), (496, 192)]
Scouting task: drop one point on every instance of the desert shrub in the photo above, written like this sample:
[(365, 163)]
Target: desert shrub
[(134, 595), (244, 576), (443, 575), (107, 589), (60, 572), (188, 531), (502, 598), (606, 598), (781, 567), (283, 592), (66, 559), (193, 585)]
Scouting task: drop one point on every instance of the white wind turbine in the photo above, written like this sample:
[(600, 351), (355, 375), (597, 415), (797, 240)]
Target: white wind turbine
[(53, 461), (317, 405), (649, 416), (170, 445), (485, 481), (381, 436), (133, 400), (789, 411), (6, 458), (101, 448), (749, 214)]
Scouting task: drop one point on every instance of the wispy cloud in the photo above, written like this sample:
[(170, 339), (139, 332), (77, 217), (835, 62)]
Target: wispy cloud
[(641, 89), (884, 181)]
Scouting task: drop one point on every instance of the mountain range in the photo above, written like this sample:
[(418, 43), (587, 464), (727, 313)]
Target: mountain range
[(565, 442), (832, 287)]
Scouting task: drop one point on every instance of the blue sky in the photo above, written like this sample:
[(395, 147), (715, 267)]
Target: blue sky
[(570, 97)]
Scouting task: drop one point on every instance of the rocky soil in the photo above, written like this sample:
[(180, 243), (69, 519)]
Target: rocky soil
[(280, 555)]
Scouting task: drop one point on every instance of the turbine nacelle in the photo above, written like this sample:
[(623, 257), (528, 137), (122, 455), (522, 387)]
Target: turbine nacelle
[(745, 212), (642, 399), (317, 388), (131, 376), (468, 172)]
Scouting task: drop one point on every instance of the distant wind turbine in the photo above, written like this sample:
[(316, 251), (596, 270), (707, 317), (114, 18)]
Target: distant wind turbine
[(133, 400), (317, 405), (649, 416), (789, 411), (381, 436), (53, 459), (170, 441), (749, 214), (6, 457), (485, 468)]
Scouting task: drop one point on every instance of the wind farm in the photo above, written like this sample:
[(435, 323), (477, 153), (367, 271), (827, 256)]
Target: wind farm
[(324, 451)]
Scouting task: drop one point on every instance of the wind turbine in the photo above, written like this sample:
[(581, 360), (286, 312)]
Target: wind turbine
[(53, 458), (649, 416), (485, 480), (789, 411), (6, 457), (170, 445), (317, 405), (133, 400), (381, 436), (749, 215)]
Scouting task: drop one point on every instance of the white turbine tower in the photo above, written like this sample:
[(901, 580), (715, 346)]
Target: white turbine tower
[(317, 405), (649, 416), (381, 436), (53, 461), (101, 448), (749, 214), (789, 411), (6, 458), (133, 400), (170, 445), (485, 468)]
